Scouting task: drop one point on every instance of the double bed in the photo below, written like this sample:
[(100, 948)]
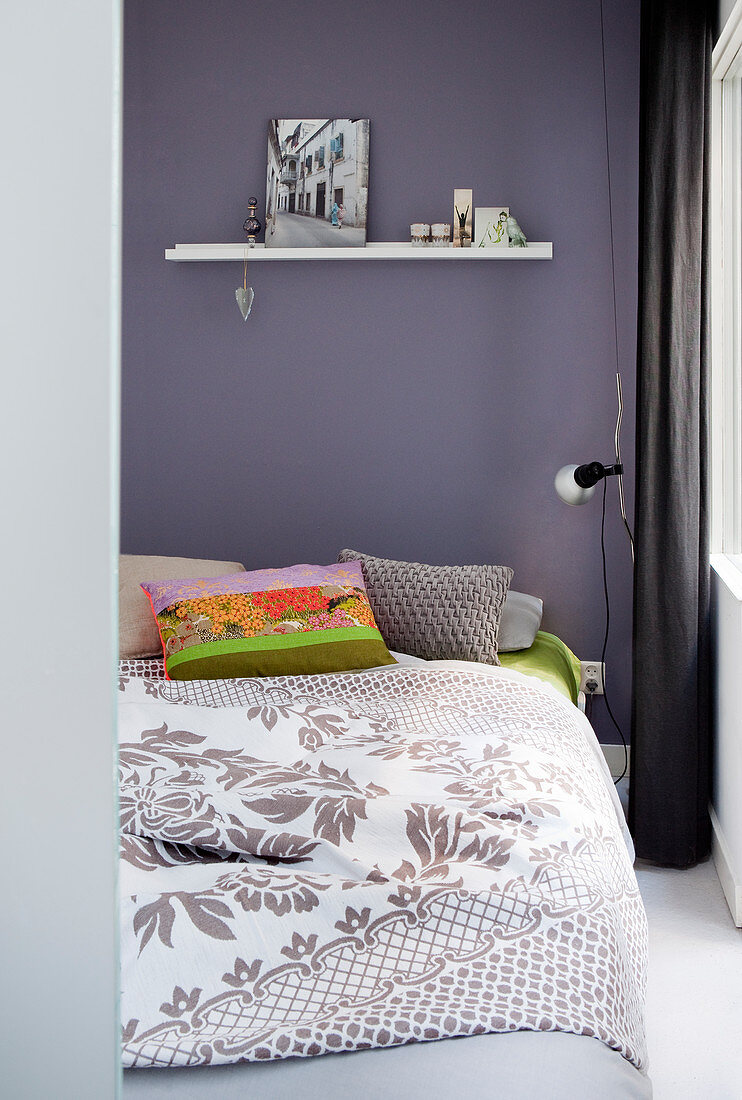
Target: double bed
[(329, 881), (347, 871)]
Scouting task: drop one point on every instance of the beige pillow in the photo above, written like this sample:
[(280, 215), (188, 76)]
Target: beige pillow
[(138, 635)]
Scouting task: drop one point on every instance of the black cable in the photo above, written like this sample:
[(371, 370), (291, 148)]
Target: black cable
[(610, 190), (605, 639)]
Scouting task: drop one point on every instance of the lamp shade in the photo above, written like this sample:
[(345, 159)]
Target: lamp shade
[(568, 489)]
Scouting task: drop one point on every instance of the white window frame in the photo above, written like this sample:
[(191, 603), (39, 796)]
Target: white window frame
[(726, 290)]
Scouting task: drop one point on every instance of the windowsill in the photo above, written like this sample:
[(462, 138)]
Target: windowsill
[(728, 568)]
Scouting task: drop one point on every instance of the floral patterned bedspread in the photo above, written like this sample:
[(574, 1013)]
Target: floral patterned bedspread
[(330, 863)]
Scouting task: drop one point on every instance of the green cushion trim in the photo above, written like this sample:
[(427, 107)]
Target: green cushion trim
[(335, 650), (275, 641), (549, 659)]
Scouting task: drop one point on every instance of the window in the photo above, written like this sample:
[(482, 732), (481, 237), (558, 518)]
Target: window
[(321, 156), (336, 147), (726, 284)]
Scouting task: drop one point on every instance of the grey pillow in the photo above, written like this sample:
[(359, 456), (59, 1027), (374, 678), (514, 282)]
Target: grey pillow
[(438, 612), (138, 634), (521, 618)]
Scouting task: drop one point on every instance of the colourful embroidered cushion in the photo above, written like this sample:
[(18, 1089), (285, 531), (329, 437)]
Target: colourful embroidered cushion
[(269, 622)]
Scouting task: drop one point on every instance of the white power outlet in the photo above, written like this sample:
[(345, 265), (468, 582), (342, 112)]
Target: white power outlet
[(591, 677)]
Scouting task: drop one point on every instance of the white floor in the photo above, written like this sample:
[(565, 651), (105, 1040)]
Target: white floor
[(694, 996)]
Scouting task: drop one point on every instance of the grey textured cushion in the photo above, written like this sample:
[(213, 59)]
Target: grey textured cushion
[(521, 618), (438, 612), (138, 634)]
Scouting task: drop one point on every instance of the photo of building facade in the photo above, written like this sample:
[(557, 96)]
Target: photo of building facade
[(317, 183)]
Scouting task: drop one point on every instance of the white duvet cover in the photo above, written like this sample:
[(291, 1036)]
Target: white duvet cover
[(331, 863)]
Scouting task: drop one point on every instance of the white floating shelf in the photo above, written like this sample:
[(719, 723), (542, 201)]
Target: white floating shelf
[(536, 250)]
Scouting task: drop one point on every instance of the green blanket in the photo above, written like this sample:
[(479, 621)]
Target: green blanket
[(550, 660)]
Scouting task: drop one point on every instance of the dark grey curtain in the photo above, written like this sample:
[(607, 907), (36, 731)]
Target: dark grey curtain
[(671, 730)]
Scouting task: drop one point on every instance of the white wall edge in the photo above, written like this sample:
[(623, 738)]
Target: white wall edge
[(729, 883), (59, 916)]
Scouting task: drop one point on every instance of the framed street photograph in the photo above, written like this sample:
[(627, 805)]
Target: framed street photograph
[(317, 183)]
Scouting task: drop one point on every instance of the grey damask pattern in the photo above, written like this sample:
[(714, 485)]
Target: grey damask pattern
[(333, 862)]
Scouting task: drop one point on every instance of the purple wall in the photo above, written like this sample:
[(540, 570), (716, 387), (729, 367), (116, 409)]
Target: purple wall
[(409, 410)]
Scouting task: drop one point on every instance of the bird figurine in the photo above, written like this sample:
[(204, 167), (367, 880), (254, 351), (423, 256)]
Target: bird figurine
[(516, 236)]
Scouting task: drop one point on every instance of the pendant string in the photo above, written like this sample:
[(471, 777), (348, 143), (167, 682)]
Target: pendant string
[(613, 284), (617, 443), (610, 191)]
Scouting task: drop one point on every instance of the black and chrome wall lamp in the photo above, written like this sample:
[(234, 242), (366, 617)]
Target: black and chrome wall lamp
[(576, 484)]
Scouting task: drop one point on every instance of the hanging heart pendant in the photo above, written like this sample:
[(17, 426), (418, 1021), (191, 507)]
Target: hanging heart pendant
[(244, 296)]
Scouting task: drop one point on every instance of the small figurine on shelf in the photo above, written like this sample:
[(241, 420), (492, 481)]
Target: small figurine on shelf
[(516, 236), (251, 224)]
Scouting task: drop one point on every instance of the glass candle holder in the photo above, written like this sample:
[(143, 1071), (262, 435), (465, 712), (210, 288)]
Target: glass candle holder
[(440, 234), (419, 233)]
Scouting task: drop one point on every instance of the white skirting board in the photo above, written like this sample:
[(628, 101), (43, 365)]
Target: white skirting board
[(614, 755), (730, 884)]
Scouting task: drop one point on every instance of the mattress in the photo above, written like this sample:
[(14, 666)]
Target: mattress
[(524, 1065), (319, 865)]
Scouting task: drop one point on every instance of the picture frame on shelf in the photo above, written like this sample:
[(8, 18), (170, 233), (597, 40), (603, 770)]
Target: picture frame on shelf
[(317, 183), (489, 227), (463, 217)]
